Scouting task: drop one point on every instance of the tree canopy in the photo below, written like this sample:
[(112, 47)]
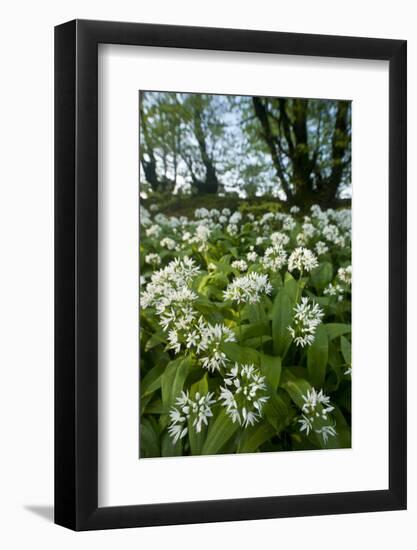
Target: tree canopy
[(296, 150)]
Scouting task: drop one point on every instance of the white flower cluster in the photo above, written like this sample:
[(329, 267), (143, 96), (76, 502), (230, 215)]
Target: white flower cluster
[(302, 259), (169, 294), (240, 265), (274, 258), (334, 290), (316, 407), (345, 274), (206, 340), (152, 258), (307, 317), (197, 409), (248, 289), (321, 248), (244, 394)]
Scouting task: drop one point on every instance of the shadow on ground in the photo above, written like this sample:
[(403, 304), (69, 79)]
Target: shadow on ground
[(45, 512)]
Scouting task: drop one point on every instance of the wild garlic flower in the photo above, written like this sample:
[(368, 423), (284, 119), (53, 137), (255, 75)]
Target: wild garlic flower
[(259, 240), (153, 231), (197, 409), (301, 239), (202, 233), (308, 229), (168, 243), (302, 259), (294, 209), (316, 404), (314, 410), (244, 394), (334, 290), (345, 274), (321, 248), (240, 265), (235, 218), (169, 294), (279, 239), (307, 317), (248, 288), (306, 424), (207, 340), (252, 256), (232, 229), (266, 218), (325, 432), (201, 213), (331, 233), (288, 223), (274, 258), (152, 258)]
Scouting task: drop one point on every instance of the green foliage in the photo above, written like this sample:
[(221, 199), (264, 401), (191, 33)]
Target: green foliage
[(184, 378)]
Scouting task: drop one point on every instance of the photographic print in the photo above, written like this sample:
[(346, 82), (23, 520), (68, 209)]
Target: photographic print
[(245, 274)]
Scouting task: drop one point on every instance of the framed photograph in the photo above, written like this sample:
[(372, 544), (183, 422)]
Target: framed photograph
[(230, 253)]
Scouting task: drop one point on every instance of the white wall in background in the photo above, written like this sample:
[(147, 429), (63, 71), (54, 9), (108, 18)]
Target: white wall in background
[(26, 289)]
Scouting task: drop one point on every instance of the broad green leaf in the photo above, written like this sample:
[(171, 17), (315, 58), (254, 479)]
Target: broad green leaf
[(293, 287), (149, 441), (337, 329), (173, 379), (156, 407), (271, 369), (220, 431), (317, 356), (256, 342), (346, 349), (295, 387), (156, 339), (240, 354), (259, 328), (282, 315), (254, 313), (254, 436), (322, 275), (168, 448), (152, 380), (277, 410)]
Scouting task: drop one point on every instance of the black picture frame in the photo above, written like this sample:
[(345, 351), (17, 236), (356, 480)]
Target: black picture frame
[(76, 272)]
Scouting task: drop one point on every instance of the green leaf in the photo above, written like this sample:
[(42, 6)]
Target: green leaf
[(317, 356), (168, 448), (337, 329), (240, 354), (322, 275), (219, 433), (346, 349), (295, 386), (292, 287), (282, 315), (271, 369), (149, 441), (152, 380), (156, 339), (277, 410), (259, 328), (173, 379), (254, 437)]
